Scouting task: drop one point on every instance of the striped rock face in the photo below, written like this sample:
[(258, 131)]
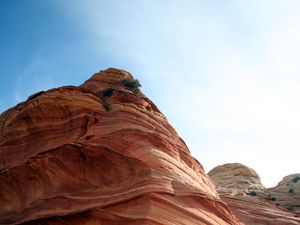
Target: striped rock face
[(240, 187), (100, 153), (287, 193)]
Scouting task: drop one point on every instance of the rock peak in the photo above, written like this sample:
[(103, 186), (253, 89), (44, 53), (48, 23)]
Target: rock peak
[(101, 153), (114, 74), (109, 78)]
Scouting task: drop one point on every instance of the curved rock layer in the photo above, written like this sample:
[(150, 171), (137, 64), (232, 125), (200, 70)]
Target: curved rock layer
[(253, 210), (101, 153), (240, 187)]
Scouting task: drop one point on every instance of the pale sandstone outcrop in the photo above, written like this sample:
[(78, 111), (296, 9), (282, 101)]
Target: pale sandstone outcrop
[(236, 176), (100, 154), (240, 187)]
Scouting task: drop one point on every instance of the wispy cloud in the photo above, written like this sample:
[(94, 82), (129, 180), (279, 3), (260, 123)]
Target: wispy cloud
[(33, 79), (225, 74)]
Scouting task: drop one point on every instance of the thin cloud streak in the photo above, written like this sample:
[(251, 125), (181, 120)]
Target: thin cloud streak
[(32, 80), (230, 71)]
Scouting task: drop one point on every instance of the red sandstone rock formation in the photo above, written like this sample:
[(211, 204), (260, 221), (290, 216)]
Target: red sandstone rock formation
[(101, 153), (240, 187)]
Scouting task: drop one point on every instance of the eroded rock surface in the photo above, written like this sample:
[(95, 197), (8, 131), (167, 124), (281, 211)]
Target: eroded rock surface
[(236, 176), (240, 187), (287, 192), (101, 153)]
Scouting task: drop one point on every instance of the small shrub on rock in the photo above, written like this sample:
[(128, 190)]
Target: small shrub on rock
[(105, 105), (295, 179), (132, 84), (291, 190), (252, 193), (107, 93)]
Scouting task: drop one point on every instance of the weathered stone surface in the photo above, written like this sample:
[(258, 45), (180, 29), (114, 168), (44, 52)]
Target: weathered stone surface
[(253, 210), (236, 176), (240, 187), (287, 192), (100, 153)]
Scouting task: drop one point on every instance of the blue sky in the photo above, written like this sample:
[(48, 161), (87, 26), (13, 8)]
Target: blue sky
[(225, 73)]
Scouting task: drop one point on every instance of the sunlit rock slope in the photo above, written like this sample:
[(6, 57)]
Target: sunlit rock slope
[(100, 153)]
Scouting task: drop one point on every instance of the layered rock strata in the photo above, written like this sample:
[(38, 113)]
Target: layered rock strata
[(240, 187), (100, 153), (287, 192)]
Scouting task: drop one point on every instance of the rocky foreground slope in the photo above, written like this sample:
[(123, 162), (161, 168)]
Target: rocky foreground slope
[(100, 153), (253, 204)]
